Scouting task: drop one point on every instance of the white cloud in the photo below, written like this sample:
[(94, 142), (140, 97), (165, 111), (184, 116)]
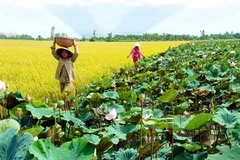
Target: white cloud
[(41, 3), (187, 3), (204, 4), (238, 13), (1, 13)]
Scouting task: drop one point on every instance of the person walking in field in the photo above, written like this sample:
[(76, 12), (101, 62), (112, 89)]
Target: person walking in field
[(65, 72), (136, 54)]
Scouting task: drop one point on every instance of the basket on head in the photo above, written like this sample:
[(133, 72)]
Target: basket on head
[(64, 42)]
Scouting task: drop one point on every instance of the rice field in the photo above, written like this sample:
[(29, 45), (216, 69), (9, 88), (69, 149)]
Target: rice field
[(28, 66)]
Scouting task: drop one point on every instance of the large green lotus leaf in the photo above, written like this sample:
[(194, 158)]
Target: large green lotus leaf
[(188, 71), (39, 113), (190, 156), (103, 145), (161, 125), (128, 154), (184, 105), (35, 131), (227, 118), (224, 105), (145, 151), (133, 115), (13, 146), (208, 88), (157, 113), (168, 96), (121, 130), (133, 118), (106, 82), (232, 153), (89, 130), (191, 147), (8, 123), (13, 111), (38, 104), (235, 130), (109, 135), (212, 72), (198, 121), (92, 138), (235, 86), (75, 149), (2, 96), (94, 97), (181, 121), (70, 118), (129, 96), (110, 95), (119, 108), (193, 84), (13, 99)]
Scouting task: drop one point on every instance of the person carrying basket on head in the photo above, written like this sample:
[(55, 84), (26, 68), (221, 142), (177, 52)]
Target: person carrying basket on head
[(65, 72)]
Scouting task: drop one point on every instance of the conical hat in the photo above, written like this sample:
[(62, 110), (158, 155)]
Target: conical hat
[(59, 51)]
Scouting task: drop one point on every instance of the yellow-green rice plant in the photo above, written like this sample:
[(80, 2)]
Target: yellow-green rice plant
[(28, 66)]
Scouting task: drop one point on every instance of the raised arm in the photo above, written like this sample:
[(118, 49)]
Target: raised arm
[(76, 52), (53, 48)]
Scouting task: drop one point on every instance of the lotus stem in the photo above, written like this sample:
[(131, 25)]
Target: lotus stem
[(151, 132), (141, 130)]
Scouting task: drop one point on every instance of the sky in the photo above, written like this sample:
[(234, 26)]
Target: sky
[(78, 18)]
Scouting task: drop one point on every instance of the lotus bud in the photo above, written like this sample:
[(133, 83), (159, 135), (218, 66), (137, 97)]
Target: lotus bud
[(95, 152), (170, 125), (54, 105), (60, 103), (19, 112), (141, 96), (2, 86), (233, 64), (160, 59), (57, 126), (111, 115), (35, 138), (113, 84), (61, 134), (28, 98), (187, 114), (77, 133), (46, 100)]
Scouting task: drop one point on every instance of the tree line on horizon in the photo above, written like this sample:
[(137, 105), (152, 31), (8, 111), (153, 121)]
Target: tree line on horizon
[(132, 37)]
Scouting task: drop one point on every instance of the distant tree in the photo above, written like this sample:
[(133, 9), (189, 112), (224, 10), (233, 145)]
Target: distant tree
[(202, 34), (52, 32), (109, 37), (83, 38), (94, 34), (40, 37)]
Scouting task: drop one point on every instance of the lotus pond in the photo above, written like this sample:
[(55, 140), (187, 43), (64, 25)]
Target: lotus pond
[(179, 104)]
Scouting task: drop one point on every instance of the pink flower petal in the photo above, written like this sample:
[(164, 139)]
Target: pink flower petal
[(111, 115), (2, 86)]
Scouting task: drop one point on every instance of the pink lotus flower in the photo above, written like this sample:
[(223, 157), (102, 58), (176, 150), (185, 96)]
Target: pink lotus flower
[(111, 115), (27, 98), (2, 86)]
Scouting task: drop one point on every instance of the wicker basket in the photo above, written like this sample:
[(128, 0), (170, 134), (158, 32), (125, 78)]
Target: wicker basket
[(64, 42)]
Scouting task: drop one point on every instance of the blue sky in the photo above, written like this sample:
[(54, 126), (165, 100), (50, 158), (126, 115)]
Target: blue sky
[(81, 17)]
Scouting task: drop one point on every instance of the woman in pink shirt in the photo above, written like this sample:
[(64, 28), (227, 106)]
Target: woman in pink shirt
[(136, 54)]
